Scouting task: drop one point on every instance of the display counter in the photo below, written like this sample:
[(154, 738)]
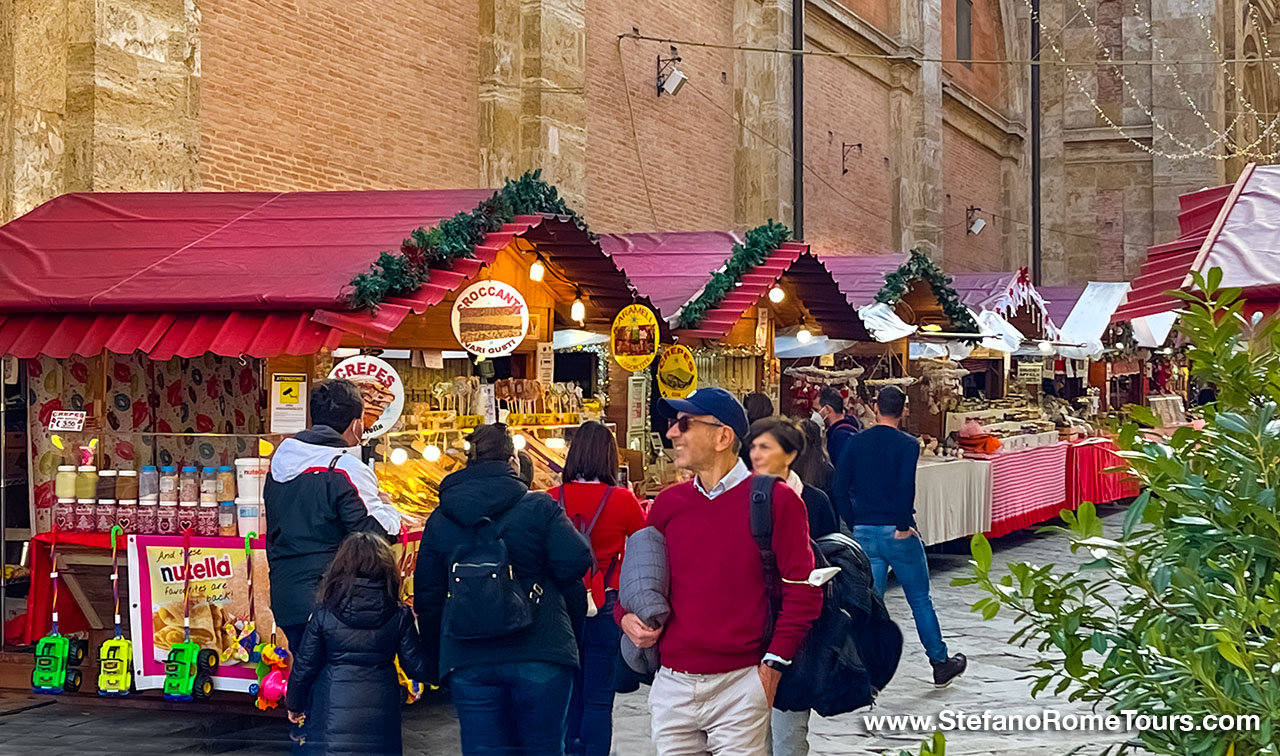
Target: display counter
[(953, 499), (1028, 486), (1087, 479)]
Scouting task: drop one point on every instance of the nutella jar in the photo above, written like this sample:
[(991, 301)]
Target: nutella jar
[(127, 515), (104, 515)]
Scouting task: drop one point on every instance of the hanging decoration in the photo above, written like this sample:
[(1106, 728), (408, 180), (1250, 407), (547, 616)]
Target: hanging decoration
[(759, 244), (634, 337), (808, 382), (919, 267), (677, 372), (404, 271), (1119, 342)]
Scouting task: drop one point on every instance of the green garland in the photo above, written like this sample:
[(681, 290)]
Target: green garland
[(760, 243), (405, 271), (920, 267)]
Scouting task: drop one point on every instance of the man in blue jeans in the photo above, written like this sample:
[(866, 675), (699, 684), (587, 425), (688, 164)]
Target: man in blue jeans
[(875, 492)]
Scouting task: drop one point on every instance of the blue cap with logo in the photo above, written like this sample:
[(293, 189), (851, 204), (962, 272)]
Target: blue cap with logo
[(712, 401)]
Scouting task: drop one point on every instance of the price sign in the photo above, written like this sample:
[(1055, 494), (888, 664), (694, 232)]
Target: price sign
[(66, 421)]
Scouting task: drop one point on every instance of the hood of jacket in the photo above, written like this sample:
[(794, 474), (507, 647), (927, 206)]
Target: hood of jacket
[(846, 424), (481, 489), (367, 606), (312, 448)]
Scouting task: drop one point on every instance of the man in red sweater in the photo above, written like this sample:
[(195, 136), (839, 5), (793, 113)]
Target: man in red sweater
[(715, 690)]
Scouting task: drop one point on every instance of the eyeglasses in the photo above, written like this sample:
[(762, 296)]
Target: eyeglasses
[(683, 423)]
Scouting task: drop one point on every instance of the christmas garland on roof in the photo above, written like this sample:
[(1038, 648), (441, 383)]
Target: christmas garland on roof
[(760, 243), (919, 267), (406, 270)]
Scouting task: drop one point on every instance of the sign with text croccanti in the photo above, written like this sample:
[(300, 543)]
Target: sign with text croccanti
[(677, 372), (490, 319), (380, 387), (635, 337)]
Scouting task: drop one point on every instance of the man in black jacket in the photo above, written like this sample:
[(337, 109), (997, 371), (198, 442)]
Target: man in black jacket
[(315, 495), (511, 692)]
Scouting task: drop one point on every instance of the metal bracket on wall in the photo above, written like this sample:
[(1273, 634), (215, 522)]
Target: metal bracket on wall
[(845, 149), (665, 68)]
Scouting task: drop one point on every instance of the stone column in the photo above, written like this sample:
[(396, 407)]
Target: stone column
[(33, 66), (1015, 198), (762, 162), (533, 110), (904, 82), (916, 115), (1054, 199)]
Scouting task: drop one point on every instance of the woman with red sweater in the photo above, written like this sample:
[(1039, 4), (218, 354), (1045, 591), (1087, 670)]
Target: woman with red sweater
[(607, 514)]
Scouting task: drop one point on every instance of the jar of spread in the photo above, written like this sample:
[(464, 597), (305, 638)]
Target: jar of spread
[(64, 515), (127, 485), (86, 482), (104, 515), (64, 482), (106, 488), (207, 520), (167, 518), (145, 523), (227, 484), (226, 518), (86, 516), (127, 515), (209, 486)]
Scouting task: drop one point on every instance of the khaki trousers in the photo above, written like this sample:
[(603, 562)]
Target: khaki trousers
[(723, 714)]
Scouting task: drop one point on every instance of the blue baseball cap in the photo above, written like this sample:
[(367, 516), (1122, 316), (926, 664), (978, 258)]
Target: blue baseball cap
[(715, 402)]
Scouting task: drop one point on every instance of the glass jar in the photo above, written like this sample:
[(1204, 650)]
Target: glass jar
[(148, 512), (168, 485), (167, 518), (86, 482), (64, 515), (226, 518), (86, 516), (187, 513), (149, 484), (104, 515), (226, 484), (127, 485), (64, 482), (188, 486), (106, 485), (207, 520), (209, 485), (127, 515)]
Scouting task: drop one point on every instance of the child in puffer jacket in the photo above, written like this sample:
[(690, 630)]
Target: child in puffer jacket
[(344, 690)]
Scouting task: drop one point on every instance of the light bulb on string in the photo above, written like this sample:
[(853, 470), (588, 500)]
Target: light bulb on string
[(399, 455), (431, 453), (537, 270), (804, 336), (776, 295), (578, 312), (1046, 347)]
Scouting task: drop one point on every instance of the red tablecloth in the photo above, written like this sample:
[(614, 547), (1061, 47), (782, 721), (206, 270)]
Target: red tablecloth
[(40, 595), (1086, 480), (1028, 486)]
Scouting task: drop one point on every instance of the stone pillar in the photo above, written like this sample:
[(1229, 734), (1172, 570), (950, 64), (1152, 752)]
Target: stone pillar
[(762, 162), (1054, 199), (904, 82), (533, 110), (916, 115), (33, 65), (1015, 198)]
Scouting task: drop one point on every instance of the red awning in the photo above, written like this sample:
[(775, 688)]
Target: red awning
[(255, 274)]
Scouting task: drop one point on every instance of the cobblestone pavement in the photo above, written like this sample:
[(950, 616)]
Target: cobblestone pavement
[(999, 679)]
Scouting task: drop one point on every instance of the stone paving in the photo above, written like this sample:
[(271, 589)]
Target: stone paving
[(999, 679)]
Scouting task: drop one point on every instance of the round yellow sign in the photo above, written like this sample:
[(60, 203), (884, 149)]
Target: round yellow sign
[(635, 337), (677, 373)]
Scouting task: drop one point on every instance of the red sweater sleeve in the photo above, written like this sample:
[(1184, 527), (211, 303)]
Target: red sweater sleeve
[(801, 604)]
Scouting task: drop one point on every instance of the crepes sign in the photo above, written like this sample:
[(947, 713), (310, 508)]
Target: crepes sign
[(380, 387), (490, 319)]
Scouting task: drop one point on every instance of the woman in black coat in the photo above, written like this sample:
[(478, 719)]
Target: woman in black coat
[(511, 692), (343, 689)]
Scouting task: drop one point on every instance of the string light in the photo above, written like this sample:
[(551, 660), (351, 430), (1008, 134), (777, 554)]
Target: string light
[(776, 294), (804, 336), (578, 311), (431, 453), (537, 270), (399, 456)]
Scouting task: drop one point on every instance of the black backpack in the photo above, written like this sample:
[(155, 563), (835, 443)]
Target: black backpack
[(485, 598), (852, 650)]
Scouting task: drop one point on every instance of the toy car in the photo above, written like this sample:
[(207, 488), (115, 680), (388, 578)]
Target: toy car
[(115, 667), (188, 672), (57, 656)]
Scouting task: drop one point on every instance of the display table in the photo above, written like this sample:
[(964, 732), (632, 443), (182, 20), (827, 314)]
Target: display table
[(1028, 486), (953, 499), (1086, 480)]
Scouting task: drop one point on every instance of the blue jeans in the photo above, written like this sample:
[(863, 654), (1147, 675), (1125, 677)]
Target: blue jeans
[(512, 709), (906, 557), (590, 725)]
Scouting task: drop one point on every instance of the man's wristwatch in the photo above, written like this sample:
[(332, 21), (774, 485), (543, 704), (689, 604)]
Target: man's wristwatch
[(775, 664)]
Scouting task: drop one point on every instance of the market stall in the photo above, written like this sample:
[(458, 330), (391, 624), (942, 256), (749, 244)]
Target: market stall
[(168, 342)]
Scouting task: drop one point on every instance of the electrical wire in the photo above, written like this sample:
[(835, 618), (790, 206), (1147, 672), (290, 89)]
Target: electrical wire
[(635, 136)]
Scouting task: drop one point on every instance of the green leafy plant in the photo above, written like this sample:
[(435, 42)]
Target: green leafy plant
[(404, 271), (919, 267), (1178, 615), (760, 242), (934, 745)]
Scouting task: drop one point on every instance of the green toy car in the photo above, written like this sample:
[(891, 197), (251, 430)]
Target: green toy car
[(188, 672), (57, 657), (115, 667)]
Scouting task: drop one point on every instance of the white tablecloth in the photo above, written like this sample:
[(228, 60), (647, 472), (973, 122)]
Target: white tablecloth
[(953, 499)]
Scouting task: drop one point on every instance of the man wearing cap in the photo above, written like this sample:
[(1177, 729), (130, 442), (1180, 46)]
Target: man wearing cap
[(715, 690)]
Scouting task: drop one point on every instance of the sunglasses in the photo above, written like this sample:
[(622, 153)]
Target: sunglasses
[(683, 423)]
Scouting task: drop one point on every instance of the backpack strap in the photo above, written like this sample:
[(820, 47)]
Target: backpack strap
[(608, 491), (333, 463), (761, 514)]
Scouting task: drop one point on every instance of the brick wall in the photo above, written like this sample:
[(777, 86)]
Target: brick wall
[(882, 14), (986, 82), (338, 94), (686, 141), (847, 213), (971, 176)]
